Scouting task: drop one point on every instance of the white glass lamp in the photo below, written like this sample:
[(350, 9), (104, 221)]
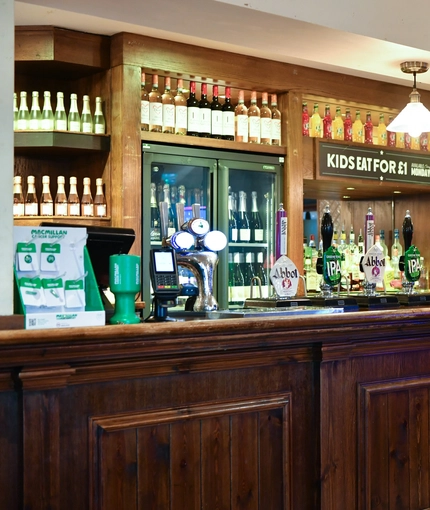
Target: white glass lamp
[(414, 118)]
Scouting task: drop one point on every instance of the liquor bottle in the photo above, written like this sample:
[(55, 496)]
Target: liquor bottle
[(171, 217), (216, 114), (315, 124), (193, 112), (382, 242), (357, 128), (254, 120), (168, 102), (60, 117), (47, 122), (276, 121), (360, 243), (396, 253), (31, 205), (144, 103), (347, 126), (337, 128), (73, 202), (342, 248), (382, 130), (368, 129), (60, 202), (15, 111), (241, 119), (155, 216), (34, 122), (259, 269), (173, 201), (18, 197), (353, 262), (205, 113), (74, 119), (305, 119), (86, 117), (407, 140), (232, 224), (244, 231), (255, 223), (99, 119), (22, 122), (424, 142), (181, 194), (235, 281), (100, 205), (228, 117), (369, 230), (87, 203), (327, 123), (155, 107), (335, 239), (46, 202), (400, 140), (391, 135), (180, 109), (265, 121)]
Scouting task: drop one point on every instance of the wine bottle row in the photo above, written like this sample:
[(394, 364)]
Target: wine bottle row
[(46, 119), (244, 227), (344, 127), (246, 270), (184, 114), (62, 205)]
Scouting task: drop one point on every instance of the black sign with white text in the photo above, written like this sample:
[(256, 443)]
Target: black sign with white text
[(373, 163)]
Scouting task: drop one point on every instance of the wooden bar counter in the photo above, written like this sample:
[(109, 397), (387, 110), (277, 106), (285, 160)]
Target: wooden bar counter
[(326, 411)]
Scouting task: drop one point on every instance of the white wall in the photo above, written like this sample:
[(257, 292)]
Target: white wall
[(6, 154)]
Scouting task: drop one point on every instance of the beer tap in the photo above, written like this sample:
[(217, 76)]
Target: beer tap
[(409, 263)]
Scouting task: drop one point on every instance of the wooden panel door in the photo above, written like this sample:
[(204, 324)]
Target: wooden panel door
[(228, 455)]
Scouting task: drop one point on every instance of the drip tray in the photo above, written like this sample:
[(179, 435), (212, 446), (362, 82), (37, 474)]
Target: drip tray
[(271, 312)]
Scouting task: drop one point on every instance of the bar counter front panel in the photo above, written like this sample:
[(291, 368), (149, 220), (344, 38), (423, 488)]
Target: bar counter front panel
[(327, 412)]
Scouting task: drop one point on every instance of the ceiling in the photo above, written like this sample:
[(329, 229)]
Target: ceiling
[(367, 38)]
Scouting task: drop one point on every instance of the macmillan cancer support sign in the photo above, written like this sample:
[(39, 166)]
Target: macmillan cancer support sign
[(373, 163)]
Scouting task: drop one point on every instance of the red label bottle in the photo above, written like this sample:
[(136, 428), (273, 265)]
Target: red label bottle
[(305, 120), (391, 135), (424, 141), (327, 123), (347, 126), (408, 141), (368, 129)]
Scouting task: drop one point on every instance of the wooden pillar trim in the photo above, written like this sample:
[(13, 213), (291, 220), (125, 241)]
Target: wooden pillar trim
[(45, 378)]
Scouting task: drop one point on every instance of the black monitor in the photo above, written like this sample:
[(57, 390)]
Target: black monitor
[(102, 242)]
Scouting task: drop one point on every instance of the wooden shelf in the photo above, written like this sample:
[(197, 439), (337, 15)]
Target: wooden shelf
[(59, 141), (30, 221), (212, 143)]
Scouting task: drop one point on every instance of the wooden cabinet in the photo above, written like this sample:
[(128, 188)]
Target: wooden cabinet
[(57, 60)]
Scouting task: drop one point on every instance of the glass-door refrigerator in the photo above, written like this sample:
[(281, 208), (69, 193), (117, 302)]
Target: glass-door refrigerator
[(238, 194)]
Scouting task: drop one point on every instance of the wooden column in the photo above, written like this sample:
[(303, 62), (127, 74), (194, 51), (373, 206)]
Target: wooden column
[(291, 105), (126, 183)]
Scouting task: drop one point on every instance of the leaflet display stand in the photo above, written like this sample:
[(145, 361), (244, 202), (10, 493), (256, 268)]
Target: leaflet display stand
[(55, 285)]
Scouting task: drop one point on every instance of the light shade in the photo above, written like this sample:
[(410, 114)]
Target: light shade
[(413, 119)]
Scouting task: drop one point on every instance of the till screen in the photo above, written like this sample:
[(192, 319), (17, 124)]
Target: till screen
[(164, 262)]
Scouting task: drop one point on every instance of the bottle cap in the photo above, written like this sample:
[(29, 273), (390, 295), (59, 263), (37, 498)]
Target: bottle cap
[(241, 98), (204, 88), (264, 97), (274, 99), (17, 179), (180, 84), (73, 180), (61, 179), (35, 93), (87, 180), (73, 96), (45, 179), (167, 82), (60, 94), (142, 77), (23, 94), (47, 93), (99, 182), (155, 79), (86, 98), (254, 96)]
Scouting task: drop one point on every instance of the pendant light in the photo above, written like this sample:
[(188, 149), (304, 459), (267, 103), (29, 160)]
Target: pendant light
[(414, 118)]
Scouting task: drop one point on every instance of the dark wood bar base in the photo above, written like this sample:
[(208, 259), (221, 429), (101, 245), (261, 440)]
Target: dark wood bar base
[(327, 412)]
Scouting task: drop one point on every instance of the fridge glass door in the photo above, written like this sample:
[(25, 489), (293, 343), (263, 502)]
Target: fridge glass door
[(253, 192), (173, 175)]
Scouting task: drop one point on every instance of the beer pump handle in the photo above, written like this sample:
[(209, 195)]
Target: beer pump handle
[(180, 214), (408, 230), (326, 230), (196, 210), (164, 221)]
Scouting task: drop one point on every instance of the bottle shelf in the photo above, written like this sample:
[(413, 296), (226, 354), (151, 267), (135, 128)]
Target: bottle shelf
[(247, 245), (74, 220), (59, 141), (213, 143)]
